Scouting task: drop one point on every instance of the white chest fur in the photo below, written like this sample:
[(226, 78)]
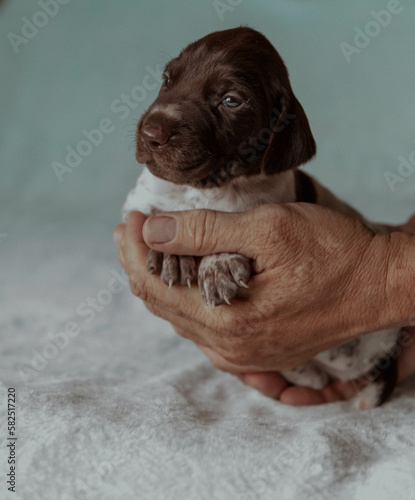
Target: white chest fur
[(152, 194)]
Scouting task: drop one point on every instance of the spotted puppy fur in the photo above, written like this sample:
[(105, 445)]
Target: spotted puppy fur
[(227, 133)]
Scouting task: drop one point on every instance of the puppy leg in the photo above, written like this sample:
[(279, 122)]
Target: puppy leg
[(383, 377), (307, 375), (172, 269), (221, 276), (369, 362)]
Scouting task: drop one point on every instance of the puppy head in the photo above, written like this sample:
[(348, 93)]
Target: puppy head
[(225, 109)]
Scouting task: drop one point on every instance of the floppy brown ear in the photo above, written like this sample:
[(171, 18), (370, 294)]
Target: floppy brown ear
[(291, 143)]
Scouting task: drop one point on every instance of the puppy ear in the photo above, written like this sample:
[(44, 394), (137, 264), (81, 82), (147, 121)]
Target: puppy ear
[(291, 143)]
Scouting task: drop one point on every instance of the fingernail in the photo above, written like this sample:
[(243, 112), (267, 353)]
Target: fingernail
[(161, 229)]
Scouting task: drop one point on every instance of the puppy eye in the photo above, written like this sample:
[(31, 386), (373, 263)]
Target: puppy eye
[(231, 102), (166, 80)]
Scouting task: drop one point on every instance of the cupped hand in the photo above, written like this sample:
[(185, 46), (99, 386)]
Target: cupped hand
[(315, 270)]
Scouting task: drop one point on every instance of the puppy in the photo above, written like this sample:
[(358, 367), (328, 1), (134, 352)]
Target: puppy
[(226, 132)]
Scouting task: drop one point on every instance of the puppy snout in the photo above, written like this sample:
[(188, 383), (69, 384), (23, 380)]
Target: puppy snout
[(154, 138)]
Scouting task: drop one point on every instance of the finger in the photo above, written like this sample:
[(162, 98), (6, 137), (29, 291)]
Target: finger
[(191, 330), (222, 364), (121, 258), (271, 384), (118, 232), (129, 247), (150, 288), (187, 334), (304, 396), (336, 391), (204, 232), (184, 302), (132, 241)]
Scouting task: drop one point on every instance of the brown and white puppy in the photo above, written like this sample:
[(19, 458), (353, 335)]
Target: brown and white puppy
[(226, 132)]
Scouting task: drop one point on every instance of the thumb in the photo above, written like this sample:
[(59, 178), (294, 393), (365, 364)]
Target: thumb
[(204, 232)]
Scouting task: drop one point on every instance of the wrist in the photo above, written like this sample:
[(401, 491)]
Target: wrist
[(380, 292), (400, 282)]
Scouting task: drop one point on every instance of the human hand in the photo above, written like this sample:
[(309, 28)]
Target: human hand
[(307, 259), (272, 384)]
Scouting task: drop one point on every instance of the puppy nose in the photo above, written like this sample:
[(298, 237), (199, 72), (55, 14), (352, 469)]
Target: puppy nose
[(154, 138)]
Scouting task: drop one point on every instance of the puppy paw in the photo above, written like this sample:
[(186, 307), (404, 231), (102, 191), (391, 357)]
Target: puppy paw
[(173, 269), (367, 398), (221, 276)]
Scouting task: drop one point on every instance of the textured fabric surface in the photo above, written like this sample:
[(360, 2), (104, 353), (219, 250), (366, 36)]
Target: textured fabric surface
[(119, 407)]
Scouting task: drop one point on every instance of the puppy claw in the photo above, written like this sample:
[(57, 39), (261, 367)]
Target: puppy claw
[(170, 283), (213, 304), (189, 284), (221, 275), (154, 262)]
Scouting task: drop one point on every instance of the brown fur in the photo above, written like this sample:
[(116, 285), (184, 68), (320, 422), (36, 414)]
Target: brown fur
[(268, 132)]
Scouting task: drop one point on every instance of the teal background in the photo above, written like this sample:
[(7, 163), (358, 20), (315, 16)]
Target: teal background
[(65, 78)]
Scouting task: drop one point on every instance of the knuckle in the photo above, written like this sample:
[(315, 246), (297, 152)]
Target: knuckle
[(122, 243), (250, 325), (236, 325), (201, 228), (150, 307), (246, 328), (138, 286), (273, 223), (266, 211), (182, 333), (220, 363), (238, 355), (234, 347), (227, 326), (121, 259)]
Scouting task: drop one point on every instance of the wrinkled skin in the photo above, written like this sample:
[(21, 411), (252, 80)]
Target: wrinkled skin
[(289, 314)]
